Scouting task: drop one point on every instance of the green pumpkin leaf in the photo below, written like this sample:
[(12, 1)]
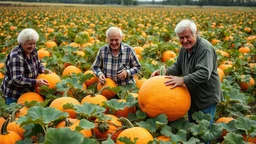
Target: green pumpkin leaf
[(87, 110), (245, 124), (181, 123), (63, 136), (42, 116), (115, 105), (153, 124), (198, 116), (232, 138), (108, 141)]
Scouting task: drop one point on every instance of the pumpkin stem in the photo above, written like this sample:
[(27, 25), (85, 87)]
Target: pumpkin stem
[(162, 70), (102, 89), (14, 114), (103, 126), (67, 122), (4, 127), (65, 94), (126, 122)]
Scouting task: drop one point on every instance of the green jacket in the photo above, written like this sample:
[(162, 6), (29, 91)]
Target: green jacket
[(199, 71)]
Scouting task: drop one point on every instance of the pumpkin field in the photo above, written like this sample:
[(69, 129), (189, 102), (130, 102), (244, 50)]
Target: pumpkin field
[(76, 109)]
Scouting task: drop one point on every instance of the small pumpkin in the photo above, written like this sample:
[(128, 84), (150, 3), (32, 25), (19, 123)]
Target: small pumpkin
[(92, 80), (104, 128), (71, 69), (125, 112), (167, 55), (52, 79), (59, 102), (8, 137), (94, 99), (224, 120), (108, 83), (143, 136), (245, 85), (29, 97), (163, 138)]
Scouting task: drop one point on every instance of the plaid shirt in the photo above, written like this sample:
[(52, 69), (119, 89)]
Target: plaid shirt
[(21, 73), (109, 65)]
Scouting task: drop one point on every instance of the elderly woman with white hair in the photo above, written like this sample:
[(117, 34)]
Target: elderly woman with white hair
[(22, 67)]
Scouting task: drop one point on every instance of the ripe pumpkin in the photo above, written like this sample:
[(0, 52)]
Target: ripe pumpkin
[(244, 49), (224, 120), (244, 86), (71, 69), (30, 96), (174, 103), (138, 50), (125, 112), (72, 123), (59, 102), (108, 83), (8, 137), (101, 132), (43, 53), (50, 44), (52, 79), (94, 99), (1, 75), (92, 80), (225, 65), (168, 54), (163, 138), (221, 74), (143, 136), (139, 82), (23, 111)]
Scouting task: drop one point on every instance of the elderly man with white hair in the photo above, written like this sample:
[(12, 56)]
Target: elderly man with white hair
[(196, 67), (116, 60), (22, 67)]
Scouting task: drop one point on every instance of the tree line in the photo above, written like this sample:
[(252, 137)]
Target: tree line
[(162, 2)]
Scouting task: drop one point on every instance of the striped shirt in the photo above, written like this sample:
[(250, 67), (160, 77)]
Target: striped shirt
[(109, 65), (21, 73)]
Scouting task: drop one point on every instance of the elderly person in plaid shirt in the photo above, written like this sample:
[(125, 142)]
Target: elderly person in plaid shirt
[(22, 67), (116, 60)]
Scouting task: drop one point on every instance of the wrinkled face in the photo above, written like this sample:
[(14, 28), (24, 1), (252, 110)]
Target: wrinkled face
[(29, 46), (114, 40), (187, 39)]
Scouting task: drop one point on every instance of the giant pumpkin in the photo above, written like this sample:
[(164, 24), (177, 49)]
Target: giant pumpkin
[(156, 98)]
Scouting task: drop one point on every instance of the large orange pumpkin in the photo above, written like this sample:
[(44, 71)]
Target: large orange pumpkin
[(108, 83), (30, 96), (156, 98), (59, 102), (52, 79)]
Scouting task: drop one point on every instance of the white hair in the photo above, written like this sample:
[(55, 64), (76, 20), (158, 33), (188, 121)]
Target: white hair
[(182, 25), (26, 35), (114, 29)]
